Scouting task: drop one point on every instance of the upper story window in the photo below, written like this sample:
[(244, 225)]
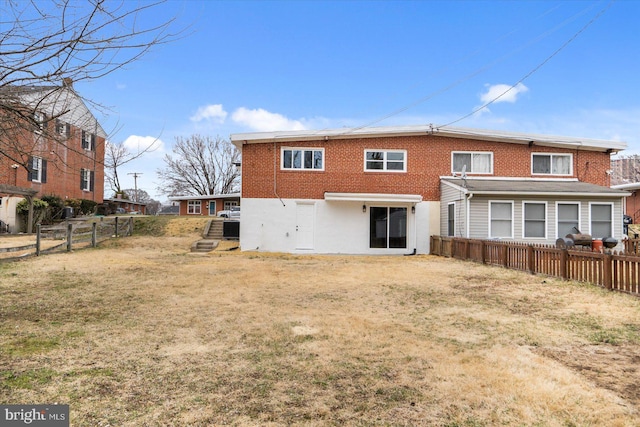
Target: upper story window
[(194, 207), (88, 141), (303, 158), (385, 160), (551, 164), (472, 162), (62, 128), (40, 119)]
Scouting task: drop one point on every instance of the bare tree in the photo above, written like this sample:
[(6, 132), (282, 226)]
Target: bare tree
[(117, 155), (200, 165), (46, 45)]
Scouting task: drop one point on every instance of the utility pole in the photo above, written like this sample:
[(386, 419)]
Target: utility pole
[(135, 183)]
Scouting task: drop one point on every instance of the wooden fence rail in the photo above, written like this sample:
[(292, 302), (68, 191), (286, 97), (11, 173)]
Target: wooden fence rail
[(615, 271), (71, 234)]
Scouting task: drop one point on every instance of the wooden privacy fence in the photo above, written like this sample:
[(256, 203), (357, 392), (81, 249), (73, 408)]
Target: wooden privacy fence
[(614, 271), (70, 235)]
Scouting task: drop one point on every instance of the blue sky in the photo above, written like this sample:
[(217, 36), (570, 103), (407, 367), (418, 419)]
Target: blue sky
[(245, 66)]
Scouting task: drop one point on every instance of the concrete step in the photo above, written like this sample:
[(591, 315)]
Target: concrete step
[(205, 245)]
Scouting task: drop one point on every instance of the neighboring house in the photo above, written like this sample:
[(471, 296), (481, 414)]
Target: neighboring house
[(632, 208), (127, 205), (169, 210), (64, 151), (387, 190), (206, 205)]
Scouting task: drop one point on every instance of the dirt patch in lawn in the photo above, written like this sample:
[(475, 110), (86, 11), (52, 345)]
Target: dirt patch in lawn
[(139, 332)]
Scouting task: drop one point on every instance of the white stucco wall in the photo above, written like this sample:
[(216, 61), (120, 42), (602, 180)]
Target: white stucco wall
[(339, 227), (8, 212)]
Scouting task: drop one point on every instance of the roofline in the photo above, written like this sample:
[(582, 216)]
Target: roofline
[(240, 139), (205, 197), (628, 186)]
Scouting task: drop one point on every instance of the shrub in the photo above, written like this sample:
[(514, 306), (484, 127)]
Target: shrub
[(39, 211), (87, 207)]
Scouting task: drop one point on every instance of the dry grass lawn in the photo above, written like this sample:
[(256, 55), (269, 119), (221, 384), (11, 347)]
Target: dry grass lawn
[(140, 332)]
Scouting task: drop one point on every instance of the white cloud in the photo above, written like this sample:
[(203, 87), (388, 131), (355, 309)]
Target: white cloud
[(503, 93), (264, 121), (136, 143), (212, 112)]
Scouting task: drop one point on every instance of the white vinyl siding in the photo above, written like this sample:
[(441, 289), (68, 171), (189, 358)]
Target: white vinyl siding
[(501, 219), (551, 164), (534, 220), (472, 162)]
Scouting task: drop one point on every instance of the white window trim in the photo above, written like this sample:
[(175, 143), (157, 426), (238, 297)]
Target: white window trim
[(546, 218), (303, 149), (86, 178), (39, 177), (570, 155), (490, 153), (613, 221), (384, 160), (491, 236), (194, 203), (39, 117), (87, 142), (229, 203), (560, 202)]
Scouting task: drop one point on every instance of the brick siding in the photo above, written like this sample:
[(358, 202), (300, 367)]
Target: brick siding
[(428, 158)]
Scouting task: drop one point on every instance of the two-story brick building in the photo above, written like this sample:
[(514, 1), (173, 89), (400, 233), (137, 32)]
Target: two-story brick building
[(386, 190), (61, 152)]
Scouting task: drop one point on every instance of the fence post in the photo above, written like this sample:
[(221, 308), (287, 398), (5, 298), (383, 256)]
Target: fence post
[(37, 239), (69, 236), (607, 278), (483, 252), (467, 249), (94, 234), (130, 226), (531, 260), (116, 233), (505, 255), (564, 264)]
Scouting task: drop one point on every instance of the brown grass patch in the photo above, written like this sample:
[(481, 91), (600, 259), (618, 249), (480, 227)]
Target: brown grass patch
[(138, 332)]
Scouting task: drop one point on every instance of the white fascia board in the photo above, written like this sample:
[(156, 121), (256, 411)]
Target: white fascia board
[(631, 186), (546, 193), (215, 196), (372, 197), (482, 134)]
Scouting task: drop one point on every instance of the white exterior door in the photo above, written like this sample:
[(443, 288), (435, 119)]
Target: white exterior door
[(305, 226)]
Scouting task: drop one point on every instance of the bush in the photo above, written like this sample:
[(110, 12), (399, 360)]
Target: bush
[(87, 207), (39, 211), (55, 210)]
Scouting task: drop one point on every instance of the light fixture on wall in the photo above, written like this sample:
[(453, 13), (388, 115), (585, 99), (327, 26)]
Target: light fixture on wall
[(364, 208), (413, 209)]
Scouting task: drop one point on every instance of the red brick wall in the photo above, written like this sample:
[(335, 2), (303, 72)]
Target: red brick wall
[(428, 158), (64, 162)]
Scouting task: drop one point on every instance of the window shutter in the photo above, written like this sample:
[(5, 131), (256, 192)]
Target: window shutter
[(30, 169), (68, 129), (44, 171), (93, 142), (92, 176), (82, 179)]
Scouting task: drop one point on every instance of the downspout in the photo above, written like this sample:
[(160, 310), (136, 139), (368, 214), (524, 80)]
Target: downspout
[(275, 170)]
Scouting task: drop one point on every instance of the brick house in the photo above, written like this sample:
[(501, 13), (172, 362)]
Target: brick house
[(387, 190), (205, 205), (62, 155)]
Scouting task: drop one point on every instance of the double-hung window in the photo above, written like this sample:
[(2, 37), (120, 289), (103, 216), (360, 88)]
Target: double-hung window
[(501, 219), (568, 215), (86, 180), (385, 160), (303, 158), (551, 164), (40, 118), (37, 170), (88, 141), (63, 128), (194, 207), (472, 162), (451, 219), (534, 220), (601, 219)]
